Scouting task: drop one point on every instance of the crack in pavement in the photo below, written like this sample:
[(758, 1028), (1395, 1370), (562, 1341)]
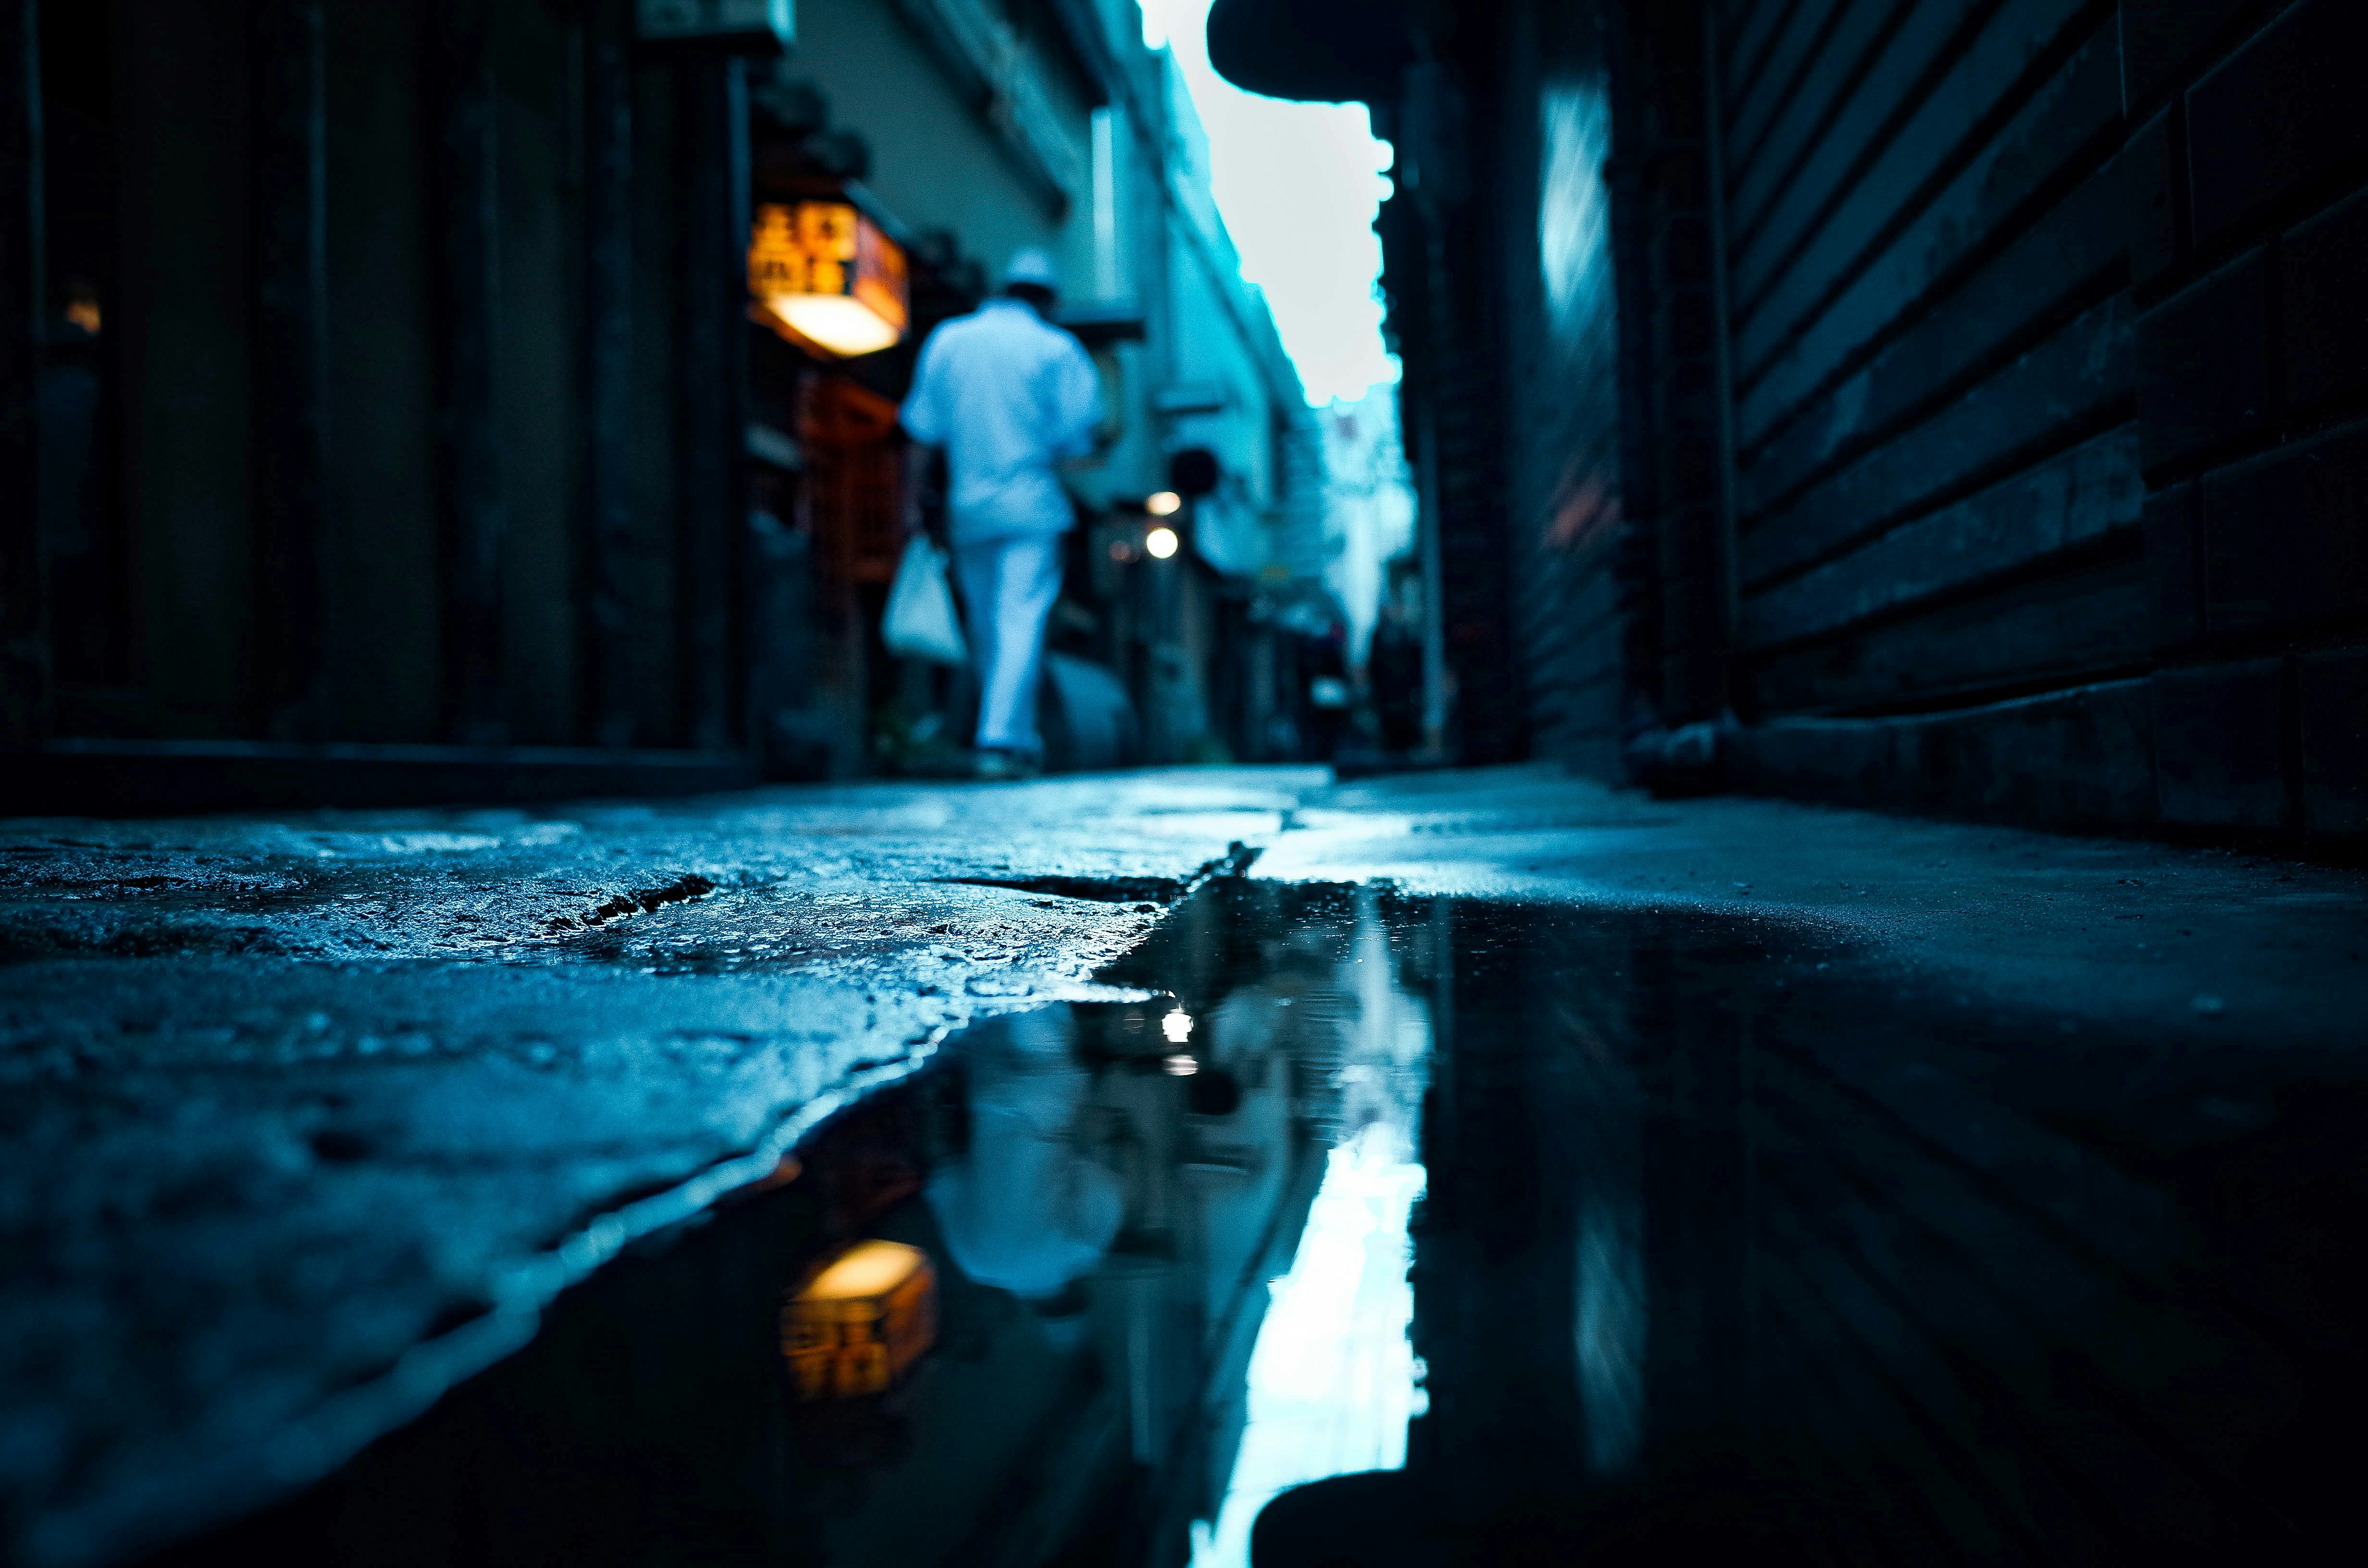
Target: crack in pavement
[(306, 1119)]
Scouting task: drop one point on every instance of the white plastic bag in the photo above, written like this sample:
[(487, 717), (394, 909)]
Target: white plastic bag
[(920, 623)]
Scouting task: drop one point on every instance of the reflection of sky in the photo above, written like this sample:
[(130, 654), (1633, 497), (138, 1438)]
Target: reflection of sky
[(1298, 184), (1332, 1378)]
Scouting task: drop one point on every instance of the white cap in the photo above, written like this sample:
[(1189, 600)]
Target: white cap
[(1032, 267)]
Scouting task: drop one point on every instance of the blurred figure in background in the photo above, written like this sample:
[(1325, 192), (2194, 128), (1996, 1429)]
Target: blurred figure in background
[(1393, 669), (1010, 397)]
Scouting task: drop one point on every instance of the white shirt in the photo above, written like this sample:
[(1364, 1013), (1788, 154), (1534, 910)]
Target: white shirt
[(1007, 396)]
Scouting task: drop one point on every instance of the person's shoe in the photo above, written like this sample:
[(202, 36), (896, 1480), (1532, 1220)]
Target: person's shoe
[(996, 766)]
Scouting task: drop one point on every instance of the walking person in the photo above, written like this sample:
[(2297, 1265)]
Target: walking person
[(1009, 398)]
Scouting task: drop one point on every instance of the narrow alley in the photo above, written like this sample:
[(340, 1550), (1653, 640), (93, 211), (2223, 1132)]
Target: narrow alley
[(1182, 783)]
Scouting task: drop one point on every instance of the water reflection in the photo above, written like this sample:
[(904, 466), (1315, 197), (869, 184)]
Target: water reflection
[(1174, 1241), (1609, 1326), (1332, 1380), (1388, 1230), (1026, 1207)]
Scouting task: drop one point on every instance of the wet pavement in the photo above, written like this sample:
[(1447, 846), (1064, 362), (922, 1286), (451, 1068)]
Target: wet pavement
[(1614, 1235), (1773, 1180), (306, 1119)]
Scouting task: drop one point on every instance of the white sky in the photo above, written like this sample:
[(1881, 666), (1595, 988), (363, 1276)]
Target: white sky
[(1298, 184)]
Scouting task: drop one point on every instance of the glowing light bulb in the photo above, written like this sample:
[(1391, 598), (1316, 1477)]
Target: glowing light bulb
[(1176, 1026), (841, 323), (1164, 503), (1161, 542)]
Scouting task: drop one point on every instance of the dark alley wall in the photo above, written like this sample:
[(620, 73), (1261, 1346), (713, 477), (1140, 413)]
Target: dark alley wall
[(2249, 257), (1988, 382), (1562, 381), (1498, 270), (2048, 496), (1937, 473), (376, 431), (382, 398)]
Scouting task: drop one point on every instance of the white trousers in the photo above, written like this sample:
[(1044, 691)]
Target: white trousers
[(1008, 589)]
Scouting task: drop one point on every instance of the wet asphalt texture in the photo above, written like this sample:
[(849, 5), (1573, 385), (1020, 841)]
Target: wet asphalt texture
[(309, 1118)]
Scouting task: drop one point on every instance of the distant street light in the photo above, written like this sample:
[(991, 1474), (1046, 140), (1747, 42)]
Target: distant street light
[(1164, 504), (1161, 542)]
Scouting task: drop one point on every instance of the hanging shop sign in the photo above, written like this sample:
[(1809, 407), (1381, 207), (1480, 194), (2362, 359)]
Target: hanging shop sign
[(766, 25), (823, 275), (858, 1326)]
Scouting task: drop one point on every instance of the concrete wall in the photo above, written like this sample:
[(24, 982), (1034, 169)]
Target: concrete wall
[(937, 161)]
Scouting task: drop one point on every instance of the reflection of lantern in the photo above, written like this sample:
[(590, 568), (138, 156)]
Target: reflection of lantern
[(860, 1324), (823, 276)]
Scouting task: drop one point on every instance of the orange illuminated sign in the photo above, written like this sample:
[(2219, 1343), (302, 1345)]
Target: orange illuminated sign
[(825, 277), (858, 1326)]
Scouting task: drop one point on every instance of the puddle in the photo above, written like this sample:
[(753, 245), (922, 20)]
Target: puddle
[(1546, 1235)]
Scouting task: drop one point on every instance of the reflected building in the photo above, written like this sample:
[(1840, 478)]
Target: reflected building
[(1149, 1218)]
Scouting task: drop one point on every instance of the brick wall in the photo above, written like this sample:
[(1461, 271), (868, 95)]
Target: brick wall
[(2249, 276), (1988, 381), (2049, 365)]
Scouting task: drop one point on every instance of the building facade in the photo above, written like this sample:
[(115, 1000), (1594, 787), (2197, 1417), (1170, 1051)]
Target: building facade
[(1949, 407), (385, 418)]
